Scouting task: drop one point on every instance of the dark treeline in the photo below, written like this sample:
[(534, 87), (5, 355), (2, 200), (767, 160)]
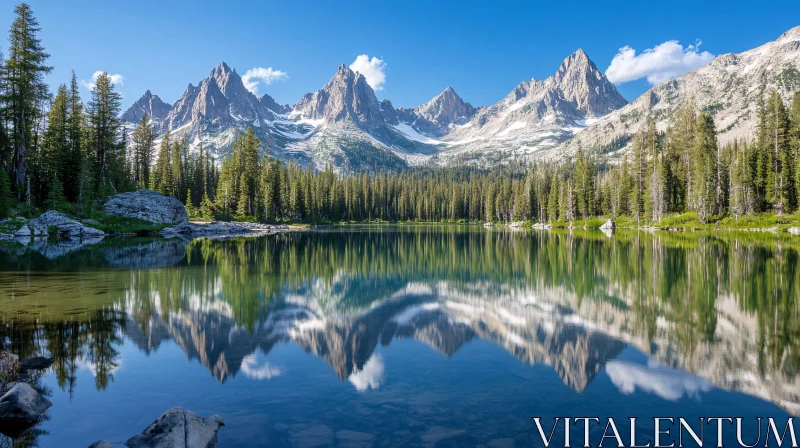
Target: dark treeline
[(57, 152)]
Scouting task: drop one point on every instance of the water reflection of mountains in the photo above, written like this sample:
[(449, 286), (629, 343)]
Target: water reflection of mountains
[(719, 307), (347, 341)]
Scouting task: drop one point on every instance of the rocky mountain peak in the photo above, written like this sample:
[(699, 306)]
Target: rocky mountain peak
[(586, 86), (221, 69), (346, 96), (210, 103), (156, 109), (793, 34), (445, 109), (344, 71)]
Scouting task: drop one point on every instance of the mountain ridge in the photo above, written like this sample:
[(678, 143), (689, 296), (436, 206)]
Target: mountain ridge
[(345, 125)]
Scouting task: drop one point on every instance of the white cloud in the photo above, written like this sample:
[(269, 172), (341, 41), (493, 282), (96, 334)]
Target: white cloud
[(116, 79), (669, 384), (664, 61), (370, 377), (374, 70), (257, 75)]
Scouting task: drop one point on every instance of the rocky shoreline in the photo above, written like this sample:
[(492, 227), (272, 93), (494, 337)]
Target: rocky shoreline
[(145, 205), (22, 406)]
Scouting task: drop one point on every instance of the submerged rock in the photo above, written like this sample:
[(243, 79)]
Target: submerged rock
[(23, 403), (66, 228), (179, 428), (147, 205), (35, 363)]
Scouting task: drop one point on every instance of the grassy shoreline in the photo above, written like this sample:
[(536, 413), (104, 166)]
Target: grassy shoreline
[(685, 222)]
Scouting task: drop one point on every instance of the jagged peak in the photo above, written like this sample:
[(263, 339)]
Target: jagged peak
[(148, 93), (222, 68), (344, 71), (793, 33), (579, 58)]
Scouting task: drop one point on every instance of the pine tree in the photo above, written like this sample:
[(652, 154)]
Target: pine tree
[(679, 143), (56, 149), (176, 169), (142, 152), (190, 210), (76, 128), (161, 179), (6, 198), (702, 198), (108, 150), (775, 144), (794, 142), (638, 159), (25, 89), (552, 201), (655, 198)]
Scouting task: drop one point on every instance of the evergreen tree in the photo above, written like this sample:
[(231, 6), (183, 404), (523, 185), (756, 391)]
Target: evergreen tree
[(161, 179), (56, 149), (702, 197), (190, 210), (76, 128), (25, 89), (6, 197), (142, 152), (108, 149), (779, 186)]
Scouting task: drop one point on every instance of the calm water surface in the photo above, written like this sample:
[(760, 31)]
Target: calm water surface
[(412, 336)]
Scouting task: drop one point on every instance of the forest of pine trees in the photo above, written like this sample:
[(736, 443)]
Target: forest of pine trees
[(57, 152)]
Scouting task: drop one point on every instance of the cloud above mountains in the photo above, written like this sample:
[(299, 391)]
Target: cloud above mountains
[(260, 75), (660, 63), (116, 79), (374, 70)]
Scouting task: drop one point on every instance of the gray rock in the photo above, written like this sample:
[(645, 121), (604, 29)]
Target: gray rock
[(147, 205), (179, 428), (35, 363), (220, 230), (101, 444), (23, 403), (608, 225), (23, 232), (794, 230), (67, 228)]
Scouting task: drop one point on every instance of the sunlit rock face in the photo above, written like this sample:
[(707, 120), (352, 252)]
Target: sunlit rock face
[(730, 87)]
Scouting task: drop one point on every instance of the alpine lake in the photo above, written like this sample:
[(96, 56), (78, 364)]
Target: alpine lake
[(406, 335)]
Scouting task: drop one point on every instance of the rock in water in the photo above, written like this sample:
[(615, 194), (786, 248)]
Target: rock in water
[(147, 205), (23, 403), (35, 363), (67, 228), (179, 428), (608, 225)]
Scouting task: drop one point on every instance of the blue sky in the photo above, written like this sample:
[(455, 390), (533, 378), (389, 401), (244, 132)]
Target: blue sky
[(482, 49)]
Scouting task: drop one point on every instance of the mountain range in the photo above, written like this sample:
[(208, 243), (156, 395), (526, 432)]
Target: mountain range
[(345, 125)]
